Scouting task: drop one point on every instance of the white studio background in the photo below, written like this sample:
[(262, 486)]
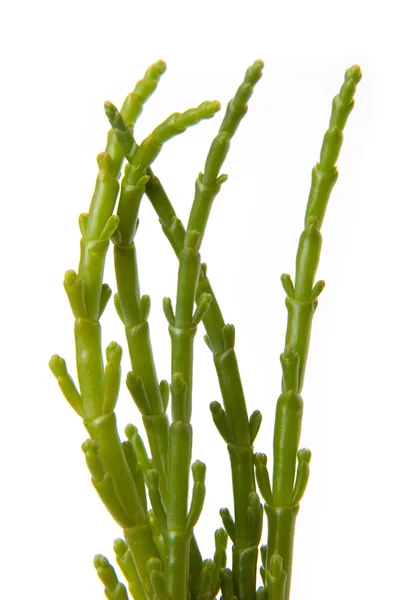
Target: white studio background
[(60, 61)]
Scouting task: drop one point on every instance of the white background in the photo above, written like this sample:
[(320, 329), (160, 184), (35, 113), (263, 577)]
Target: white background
[(60, 61)]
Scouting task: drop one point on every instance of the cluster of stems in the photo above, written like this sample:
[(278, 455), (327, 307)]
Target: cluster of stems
[(148, 495)]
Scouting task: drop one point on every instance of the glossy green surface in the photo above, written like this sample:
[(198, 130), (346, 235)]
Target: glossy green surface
[(282, 499), (232, 420), (149, 497)]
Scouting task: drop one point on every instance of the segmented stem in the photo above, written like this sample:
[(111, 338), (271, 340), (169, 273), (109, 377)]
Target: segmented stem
[(182, 328), (180, 523), (133, 309), (107, 459), (220, 336), (282, 503)]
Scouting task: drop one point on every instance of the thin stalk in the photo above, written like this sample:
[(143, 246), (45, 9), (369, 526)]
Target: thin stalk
[(99, 386), (233, 423), (282, 500), (150, 397), (182, 327)]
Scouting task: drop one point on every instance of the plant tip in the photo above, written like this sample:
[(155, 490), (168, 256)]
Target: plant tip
[(114, 352), (221, 537), (260, 458), (130, 430), (355, 73), (110, 109), (104, 160), (304, 455), (199, 471), (120, 547), (254, 72), (57, 366), (215, 407), (70, 278), (89, 446), (161, 65), (100, 561)]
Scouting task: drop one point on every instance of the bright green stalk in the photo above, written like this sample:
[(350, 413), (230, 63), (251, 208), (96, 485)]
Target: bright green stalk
[(98, 386), (182, 327), (233, 423), (302, 301), (133, 309), (106, 458), (282, 500), (150, 397), (143, 382)]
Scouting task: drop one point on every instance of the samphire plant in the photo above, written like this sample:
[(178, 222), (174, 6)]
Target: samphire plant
[(148, 496)]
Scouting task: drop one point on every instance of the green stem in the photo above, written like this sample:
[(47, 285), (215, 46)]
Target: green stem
[(207, 187), (104, 431), (244, 561), (142, 547), (182, 352), (177, 559), (88, 296), (98, 386), (179, 457), (232, 390), (244, 556), (175, 232), (141, 355), (133, 309), (182, 328), (90, 366), (242, 475), (300, 317), (288, 418), (303, 296), (301, 302), (281, 530), (228, 375), (182, 333), (213, 320)]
